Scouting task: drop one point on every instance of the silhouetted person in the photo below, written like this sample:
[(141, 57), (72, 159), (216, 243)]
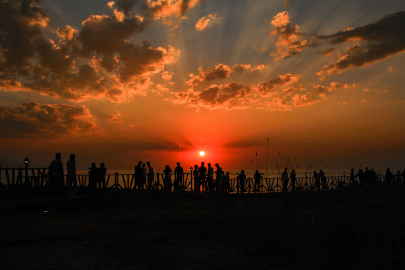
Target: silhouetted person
[(151, 175), (242, 181), (293, 177), (92, 178), (202, 171), (144, 175), (284, 178), (323, 179), (388, 176), (138, 175), (197, 182), (317, 180), (101, 172), (222, 185), (218, 176), (368, 176), (167, 182), (360, 175), (71, 180), (403, 176), (399, 177), (257, 176), (352, 177), (56, 182), (179, 176), (210, 177), (374, 177), (227, 182)]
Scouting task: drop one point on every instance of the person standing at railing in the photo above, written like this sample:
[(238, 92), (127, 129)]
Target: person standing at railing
[(71, 176), (388, 176), (151, 175), (92, 178), (242, 181), (284, 178), (56, 182), (143, 179), (403, 177), (293, 177), (352, 177), (138, 175), (317, 181), (202, 173), (167, 182), (197, 183), (218, 177), (399, 177), (323, 179), (101, 172), (210, 177), (179, 177), (360, 175), (227, 182), (257, 176)]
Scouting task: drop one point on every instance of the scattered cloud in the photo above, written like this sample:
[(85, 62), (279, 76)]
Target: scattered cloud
[(161, 9), (287, 3), (266, 87), (96, 61), (207, 21), (290, 40), (374, 42), (115, 118), (43, 121)]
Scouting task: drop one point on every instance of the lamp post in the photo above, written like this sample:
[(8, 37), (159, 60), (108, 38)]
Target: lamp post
[(306, 179), (26, 163), (344, 177)]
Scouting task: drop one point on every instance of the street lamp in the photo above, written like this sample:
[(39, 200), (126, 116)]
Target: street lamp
[(26, 161)]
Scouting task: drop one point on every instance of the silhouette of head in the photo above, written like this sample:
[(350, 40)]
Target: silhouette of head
[(285, 169), (139, 163), (196, 166), (148, 163), (102, 164), (72, 157), (202, 163), (93, 164), (58, 156), (257, 171), (209, 164), (178, 163), (242, 171)]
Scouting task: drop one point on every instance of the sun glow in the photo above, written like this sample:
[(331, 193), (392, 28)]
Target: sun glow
[(202, 153)]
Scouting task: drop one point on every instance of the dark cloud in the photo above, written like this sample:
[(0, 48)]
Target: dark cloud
[(281, 80), (227, 96), (96, 61), (376, 41), (126, 6), (34, 120)]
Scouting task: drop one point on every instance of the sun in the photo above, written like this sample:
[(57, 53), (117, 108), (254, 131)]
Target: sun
[(202, 153)]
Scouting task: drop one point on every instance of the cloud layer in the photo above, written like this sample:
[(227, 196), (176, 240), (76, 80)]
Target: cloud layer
[(43, 121)]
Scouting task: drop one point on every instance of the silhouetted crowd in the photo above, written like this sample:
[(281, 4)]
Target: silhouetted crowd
[(203, 178)]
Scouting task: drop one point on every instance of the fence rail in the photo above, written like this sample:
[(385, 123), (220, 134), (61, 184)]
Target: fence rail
[(36, 180)]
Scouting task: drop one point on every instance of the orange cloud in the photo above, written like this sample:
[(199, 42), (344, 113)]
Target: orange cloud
[(160, 9), (281, 80), (207, 21), (34, 120), (290, 38)]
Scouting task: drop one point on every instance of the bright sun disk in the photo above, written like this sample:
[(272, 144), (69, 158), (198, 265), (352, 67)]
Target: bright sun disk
[(202, 153)]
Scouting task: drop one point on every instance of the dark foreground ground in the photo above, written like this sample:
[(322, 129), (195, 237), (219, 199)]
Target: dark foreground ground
[(347, 229)]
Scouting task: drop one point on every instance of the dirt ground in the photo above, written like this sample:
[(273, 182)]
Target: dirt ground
[(351, 229)]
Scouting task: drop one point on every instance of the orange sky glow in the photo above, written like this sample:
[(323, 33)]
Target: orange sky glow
[(318, 82)]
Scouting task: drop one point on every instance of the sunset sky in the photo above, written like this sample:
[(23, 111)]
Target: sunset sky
[(159, 81)]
